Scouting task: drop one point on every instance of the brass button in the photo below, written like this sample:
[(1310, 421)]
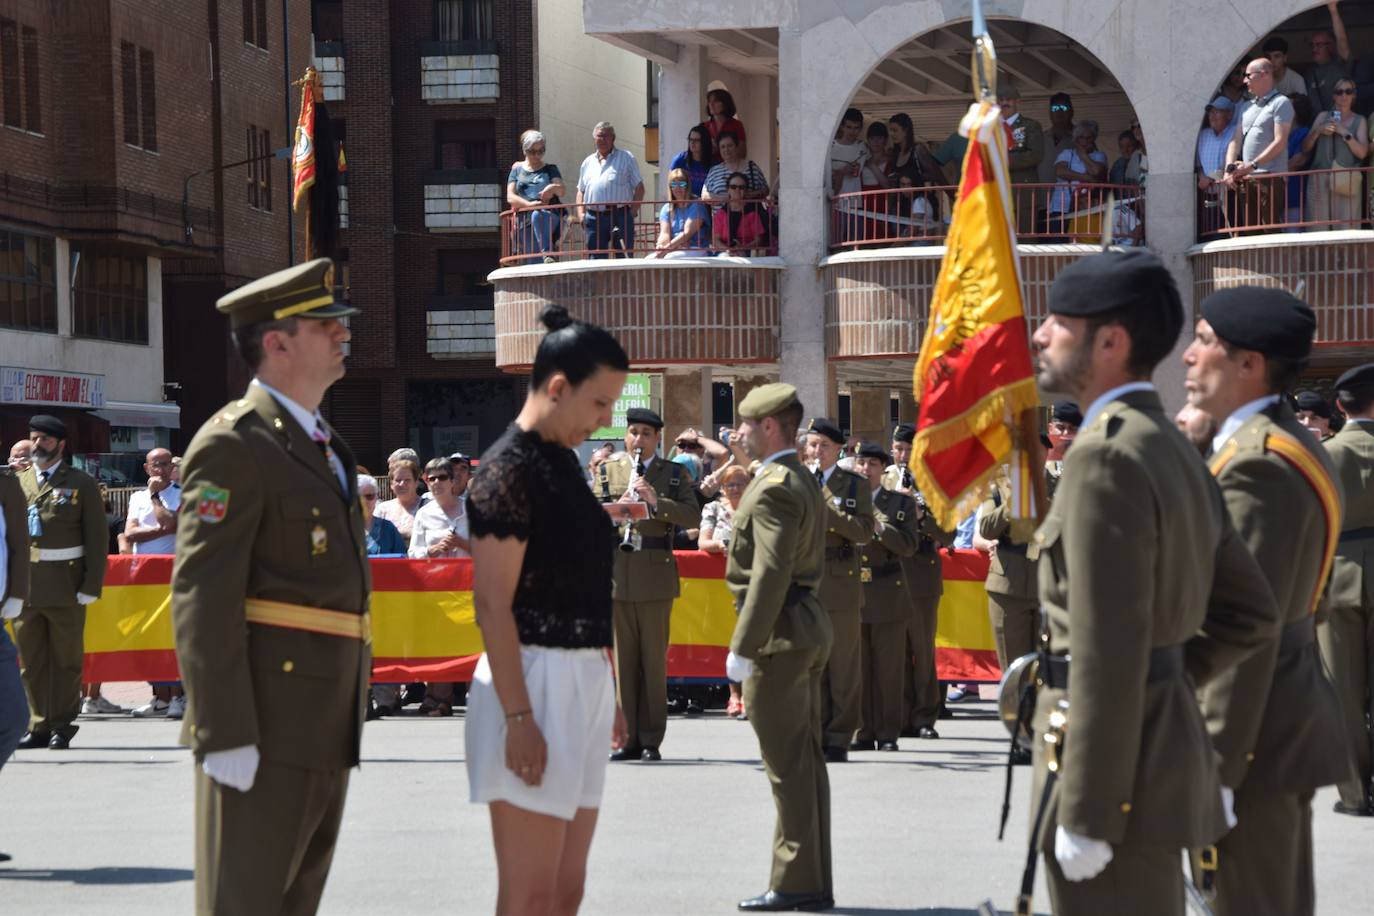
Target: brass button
[(276, 421), (899, 583), (1250, 757), (1125, 807), (288, 666), (315, 511)]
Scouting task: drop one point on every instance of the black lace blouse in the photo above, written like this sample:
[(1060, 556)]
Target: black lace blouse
[(534, 490)]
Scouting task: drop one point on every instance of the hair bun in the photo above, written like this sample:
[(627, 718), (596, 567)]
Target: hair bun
[(555, 317)]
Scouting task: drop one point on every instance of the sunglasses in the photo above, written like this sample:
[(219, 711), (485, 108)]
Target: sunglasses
[(537, 149), (436, 478), (1061, 108), (677, 184), (1343, 92), (738, 187), (1250, 76)]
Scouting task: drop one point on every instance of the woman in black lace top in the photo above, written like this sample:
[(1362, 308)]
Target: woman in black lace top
[(542, 703)]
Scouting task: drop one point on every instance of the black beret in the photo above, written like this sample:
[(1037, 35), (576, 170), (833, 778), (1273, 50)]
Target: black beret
[(1262, 318), (1067, 412), (905, 432), (1114, 280), (46, 423), (1311, 400), (643, 415), (1357, 380), (873, 450), (824, 427)]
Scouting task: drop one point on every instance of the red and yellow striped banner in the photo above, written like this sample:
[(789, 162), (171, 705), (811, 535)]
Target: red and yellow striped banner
[(424, 627)]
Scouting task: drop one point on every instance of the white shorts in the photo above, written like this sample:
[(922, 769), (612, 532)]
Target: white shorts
[(573, 698)]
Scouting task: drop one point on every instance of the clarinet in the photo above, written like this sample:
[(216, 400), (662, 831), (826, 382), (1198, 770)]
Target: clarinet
[(629, 538)]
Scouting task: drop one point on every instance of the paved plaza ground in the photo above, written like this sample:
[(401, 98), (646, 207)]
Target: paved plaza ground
[(105, 828)]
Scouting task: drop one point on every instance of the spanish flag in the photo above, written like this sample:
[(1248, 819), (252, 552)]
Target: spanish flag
[(973, 377), (303, 156)]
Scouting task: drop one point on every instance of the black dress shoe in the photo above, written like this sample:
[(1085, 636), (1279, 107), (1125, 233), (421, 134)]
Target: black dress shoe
[(863, 745), (650, 754), (693, 708), (34, 739), (774, 902), (833, 755), (59, 742), (887, 745), (625, 753), (1342, 808), (925, 731)]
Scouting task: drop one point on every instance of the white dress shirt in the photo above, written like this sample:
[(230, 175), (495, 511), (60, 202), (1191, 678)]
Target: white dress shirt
[(1110, 395), (309, 422)]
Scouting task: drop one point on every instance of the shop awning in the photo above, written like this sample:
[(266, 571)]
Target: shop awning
[(133, 413)]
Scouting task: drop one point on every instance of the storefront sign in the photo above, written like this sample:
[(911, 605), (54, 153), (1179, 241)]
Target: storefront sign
[(636, 393), (66, 389)]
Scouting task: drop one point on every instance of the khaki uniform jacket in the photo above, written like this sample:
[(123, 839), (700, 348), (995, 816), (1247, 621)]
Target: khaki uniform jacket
[(884, 573), (262, 516), (1027, 148), (15, 507), (1276, 720), (848, 526), (73, 515), (1137, 552), (650, 574), (777, 544), (1011, 571), (1352, 575)]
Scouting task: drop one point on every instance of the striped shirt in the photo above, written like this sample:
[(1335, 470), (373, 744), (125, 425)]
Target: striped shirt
[(1211, 149), (609, 180)]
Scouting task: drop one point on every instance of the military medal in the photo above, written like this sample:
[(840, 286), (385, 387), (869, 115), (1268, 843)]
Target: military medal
[(319, 541)]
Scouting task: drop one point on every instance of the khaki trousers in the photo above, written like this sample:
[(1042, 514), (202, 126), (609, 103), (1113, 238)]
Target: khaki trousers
[(842, 684), (783, 695), (921, 687), (1264, 863), (1015, 623), (266, 852), (51, 643), (641, 669), (884, 665), (1347, 645)]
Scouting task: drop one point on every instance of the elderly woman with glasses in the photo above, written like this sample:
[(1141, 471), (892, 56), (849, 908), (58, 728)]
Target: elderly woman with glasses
[(1080, 163), (1338, 144), (534, 185), (382, 537), (681, 222), (441, 525)]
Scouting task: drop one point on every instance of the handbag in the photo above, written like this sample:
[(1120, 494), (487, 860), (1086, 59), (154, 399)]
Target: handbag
[(1345, 180)]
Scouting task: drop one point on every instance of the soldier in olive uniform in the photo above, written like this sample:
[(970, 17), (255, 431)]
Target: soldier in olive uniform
[(1314, 413), (646, 579), (1274, 718), (270, 595), (849, 526), (68, 547), (887, 604), (1146, 589), (780, 644), (1347, 636)]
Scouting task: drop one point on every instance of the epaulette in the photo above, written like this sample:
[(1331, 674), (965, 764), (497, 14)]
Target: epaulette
[(774, 473), (1110, 420), (232, 413)]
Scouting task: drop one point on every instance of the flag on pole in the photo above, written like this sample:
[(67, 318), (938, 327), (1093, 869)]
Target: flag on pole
[(974, 376), (303, 156)]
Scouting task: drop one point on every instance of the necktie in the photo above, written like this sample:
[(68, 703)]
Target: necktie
[(820, 477), (639, 469), (43, 478), (321, 438)]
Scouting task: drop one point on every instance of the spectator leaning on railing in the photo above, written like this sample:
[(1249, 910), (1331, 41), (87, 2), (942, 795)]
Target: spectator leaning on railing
[(682, 222), (1210, 160), (608, 180), (534, 184), (1339, 143), (1259, 145), (1082, 163)]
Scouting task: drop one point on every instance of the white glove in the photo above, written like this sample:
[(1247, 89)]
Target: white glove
[(11, 608), (1228, 802), (738, 668), (1080, 857), (235, 768), (83, 599)]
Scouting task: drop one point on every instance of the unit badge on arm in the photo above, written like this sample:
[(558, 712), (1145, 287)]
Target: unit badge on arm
[(212, 505)]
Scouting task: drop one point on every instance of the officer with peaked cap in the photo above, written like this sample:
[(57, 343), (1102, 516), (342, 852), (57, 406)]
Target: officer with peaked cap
[(1147, 591), (270, 597), (68, 544), (1347, 636), (849, 526), (780, 644), (1274, 718), (646, 578), (1314, 412)]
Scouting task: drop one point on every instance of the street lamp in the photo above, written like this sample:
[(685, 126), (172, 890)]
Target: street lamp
[(283, 153)]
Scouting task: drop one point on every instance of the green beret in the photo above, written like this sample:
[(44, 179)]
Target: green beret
[(1262, 318), (643, 415), (767, 400), (303, 291), (823, 427), (1357, 381)]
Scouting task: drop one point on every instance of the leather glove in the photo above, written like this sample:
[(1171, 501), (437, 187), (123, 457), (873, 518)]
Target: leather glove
[(235, 768), (11, 608), (1080, 857), (83, 599), (1228, 802), (738, 668)]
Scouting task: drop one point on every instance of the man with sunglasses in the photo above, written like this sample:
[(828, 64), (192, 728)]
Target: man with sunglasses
[(1059, 137), (1259, 145), (1330, 61)]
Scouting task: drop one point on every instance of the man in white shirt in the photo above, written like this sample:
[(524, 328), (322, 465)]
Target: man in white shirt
[(151, 528), (847, 157)]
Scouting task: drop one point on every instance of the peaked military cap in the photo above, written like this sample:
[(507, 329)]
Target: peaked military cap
[(1261, 318), (1358, 380), (303, 291), (1313, 401), (873, 450), (643, 415), (48, 425), (905, 432), (1067, 412), (823, 427), (767, 400)]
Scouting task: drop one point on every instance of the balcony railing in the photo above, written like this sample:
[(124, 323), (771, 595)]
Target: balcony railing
[(1043, 213), (632, 229), (1313, 201)]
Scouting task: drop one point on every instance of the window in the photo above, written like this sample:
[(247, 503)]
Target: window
[(462, 281), (33, 119), (464, 145), (255, 23), (463, 20), (139, 93), (259, 149), (28, 286), (654, 79), (110, 296), (327, 20), (19, 85)]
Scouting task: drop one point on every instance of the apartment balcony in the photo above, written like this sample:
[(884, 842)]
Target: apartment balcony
[(460, 327), (464, 200), (460, 72), (329, 63)]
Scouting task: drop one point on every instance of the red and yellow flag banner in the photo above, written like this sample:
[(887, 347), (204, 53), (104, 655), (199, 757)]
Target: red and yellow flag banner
[(424, 627), (973, 376), (303, 155)]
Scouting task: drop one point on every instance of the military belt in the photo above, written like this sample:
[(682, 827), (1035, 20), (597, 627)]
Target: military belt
[(839, 553), (1357, 534), (1297, 635), (1166, 662), (312, 619), (61, 553), (795, 593), (882, 572), (656, 543), (1005, 546)]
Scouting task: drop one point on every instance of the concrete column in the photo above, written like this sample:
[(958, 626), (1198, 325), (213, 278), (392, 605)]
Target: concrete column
[(758, 112), (686, 402), (741, 387), (868, 414), (1170, 230), (681, 101)]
